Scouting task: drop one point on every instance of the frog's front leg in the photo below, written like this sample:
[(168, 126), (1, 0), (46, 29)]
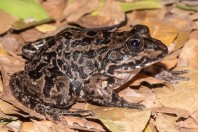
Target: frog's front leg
[(100, 92)]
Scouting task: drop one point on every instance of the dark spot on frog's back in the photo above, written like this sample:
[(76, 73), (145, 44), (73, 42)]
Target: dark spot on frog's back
[(82, 74), (34, 75), (87, 40), (91, 54), (48, 86), (75, 55), (90, 65)]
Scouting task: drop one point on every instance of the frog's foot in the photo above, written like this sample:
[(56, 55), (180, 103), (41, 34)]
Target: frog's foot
[(114, 100), (171, 76), (161, 73)]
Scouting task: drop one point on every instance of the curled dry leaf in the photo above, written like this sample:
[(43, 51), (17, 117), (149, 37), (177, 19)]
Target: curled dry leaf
[(109, 15), (77, 8)]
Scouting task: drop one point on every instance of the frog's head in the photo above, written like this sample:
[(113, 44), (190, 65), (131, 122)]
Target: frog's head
[(135, 51)]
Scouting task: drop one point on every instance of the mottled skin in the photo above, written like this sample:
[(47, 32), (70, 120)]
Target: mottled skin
[(77, 65)]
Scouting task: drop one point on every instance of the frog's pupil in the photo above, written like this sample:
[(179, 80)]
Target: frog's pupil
[(135, 43)]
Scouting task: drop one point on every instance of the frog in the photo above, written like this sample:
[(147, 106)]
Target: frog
[(77, 65)]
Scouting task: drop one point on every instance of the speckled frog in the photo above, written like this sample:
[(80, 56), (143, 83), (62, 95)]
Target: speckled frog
[(79, 65)]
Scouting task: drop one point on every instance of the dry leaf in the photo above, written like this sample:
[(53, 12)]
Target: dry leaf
[(55, 8), (189, 54), (6, 21), (120, 119), (45, 28), (165, 124), (77, 8), (31, 35), (10, 43), (138, 16), (109, 15)]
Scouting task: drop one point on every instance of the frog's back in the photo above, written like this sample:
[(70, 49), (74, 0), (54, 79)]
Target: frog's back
[(74, 53)]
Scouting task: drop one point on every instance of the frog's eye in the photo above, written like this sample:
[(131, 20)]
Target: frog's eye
[(135, 44)]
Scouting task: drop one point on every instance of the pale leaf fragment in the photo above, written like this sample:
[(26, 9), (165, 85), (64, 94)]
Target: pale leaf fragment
[(45, 28)]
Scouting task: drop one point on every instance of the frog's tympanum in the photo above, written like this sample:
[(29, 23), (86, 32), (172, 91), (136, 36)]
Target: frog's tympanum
[(78, 65)]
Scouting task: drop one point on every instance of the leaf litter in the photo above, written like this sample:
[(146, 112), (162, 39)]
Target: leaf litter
[(167, 109)]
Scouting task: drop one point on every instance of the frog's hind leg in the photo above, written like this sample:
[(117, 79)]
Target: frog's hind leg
[(97, 93), (30, 95)]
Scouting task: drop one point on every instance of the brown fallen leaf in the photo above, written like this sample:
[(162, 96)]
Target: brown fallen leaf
[(189, 54), (7, 21), (31, 35), (10, 43), (109, 15), (138, 16), (78, 8), (55, 8)]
